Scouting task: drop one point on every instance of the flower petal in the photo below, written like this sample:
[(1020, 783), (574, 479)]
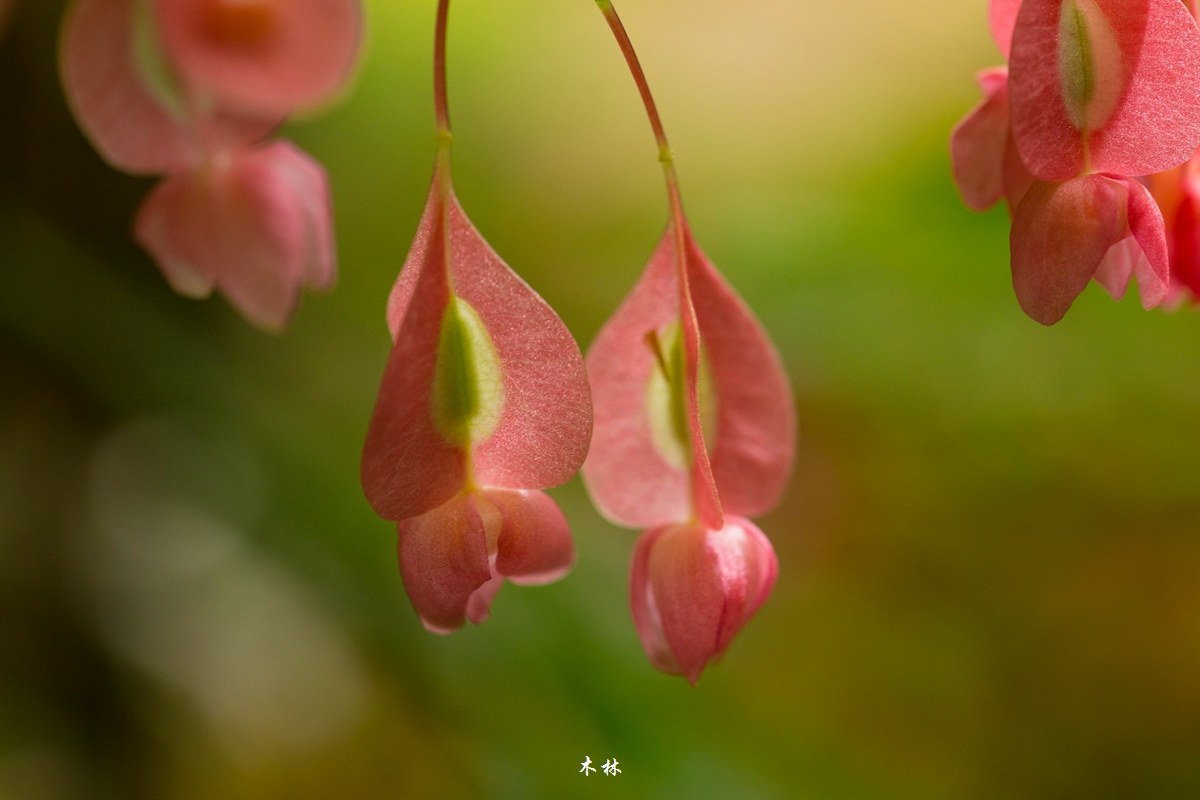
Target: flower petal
[(704, 585), (124, 122), (1117, 266), (408, 467), (754, 446), (1135, 108), (535, 544), (646, 617), (1147, 228), (978, 143), (310, 187), (748, 567), (444, 561), (1060, 234), (1002, 18), (241, 225), (263, 56), (545, 427), (1017, 179), (1183, 225), (628, 478)]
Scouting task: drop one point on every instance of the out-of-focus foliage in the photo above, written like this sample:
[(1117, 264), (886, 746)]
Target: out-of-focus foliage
[(988, 555)]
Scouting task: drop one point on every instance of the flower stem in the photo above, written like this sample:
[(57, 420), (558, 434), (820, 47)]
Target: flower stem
[(704, 492), (441, 109)]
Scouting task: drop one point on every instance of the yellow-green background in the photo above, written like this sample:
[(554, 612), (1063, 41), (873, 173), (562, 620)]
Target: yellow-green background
[(989, 557)]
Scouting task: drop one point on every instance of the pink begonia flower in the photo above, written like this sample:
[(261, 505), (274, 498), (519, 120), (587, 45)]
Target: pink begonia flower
[(1099, 90), (257, 224), (484, 401), (695, 430), (253, 221), (262, 56)]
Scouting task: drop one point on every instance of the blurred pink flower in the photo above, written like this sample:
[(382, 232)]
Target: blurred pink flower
[(257, 224), (262, 56), (253, 221), (484, 401), (1099, 90)]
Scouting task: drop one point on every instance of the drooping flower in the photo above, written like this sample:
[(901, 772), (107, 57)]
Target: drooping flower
[(1099, 90), (695, 430), (249, 219), (483, 403)]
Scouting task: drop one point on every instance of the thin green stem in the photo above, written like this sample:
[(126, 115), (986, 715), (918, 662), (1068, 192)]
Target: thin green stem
[(441, 109)]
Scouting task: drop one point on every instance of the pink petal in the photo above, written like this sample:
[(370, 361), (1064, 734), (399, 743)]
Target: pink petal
[(754, 447), (1145, 112), (479, 604), (1117, 266), (629, 480), (444, 561), (687, 590), (544, 429), (1185, 234), (239, 225), (646, 617), (703, 586), (310, 187), (535, 544), (263, 56), (1002, 18), (408, 467), (748, 567), (120, 117), (1146, 226), (1017, 179), (978, 143), (1060, 234)]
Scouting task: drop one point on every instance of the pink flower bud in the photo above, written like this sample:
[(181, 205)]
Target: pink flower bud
[(692, 589), (257, 225)]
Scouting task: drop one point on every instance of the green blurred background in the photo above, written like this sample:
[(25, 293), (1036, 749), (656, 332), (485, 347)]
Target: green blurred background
[(989, 552)]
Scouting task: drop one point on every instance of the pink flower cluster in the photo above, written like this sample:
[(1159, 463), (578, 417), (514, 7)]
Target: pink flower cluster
[(190, 89), (485, 401), (1083, 131)]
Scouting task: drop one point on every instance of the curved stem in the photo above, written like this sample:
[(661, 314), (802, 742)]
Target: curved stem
[(702, 487), (639, 77), (441, 109)]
